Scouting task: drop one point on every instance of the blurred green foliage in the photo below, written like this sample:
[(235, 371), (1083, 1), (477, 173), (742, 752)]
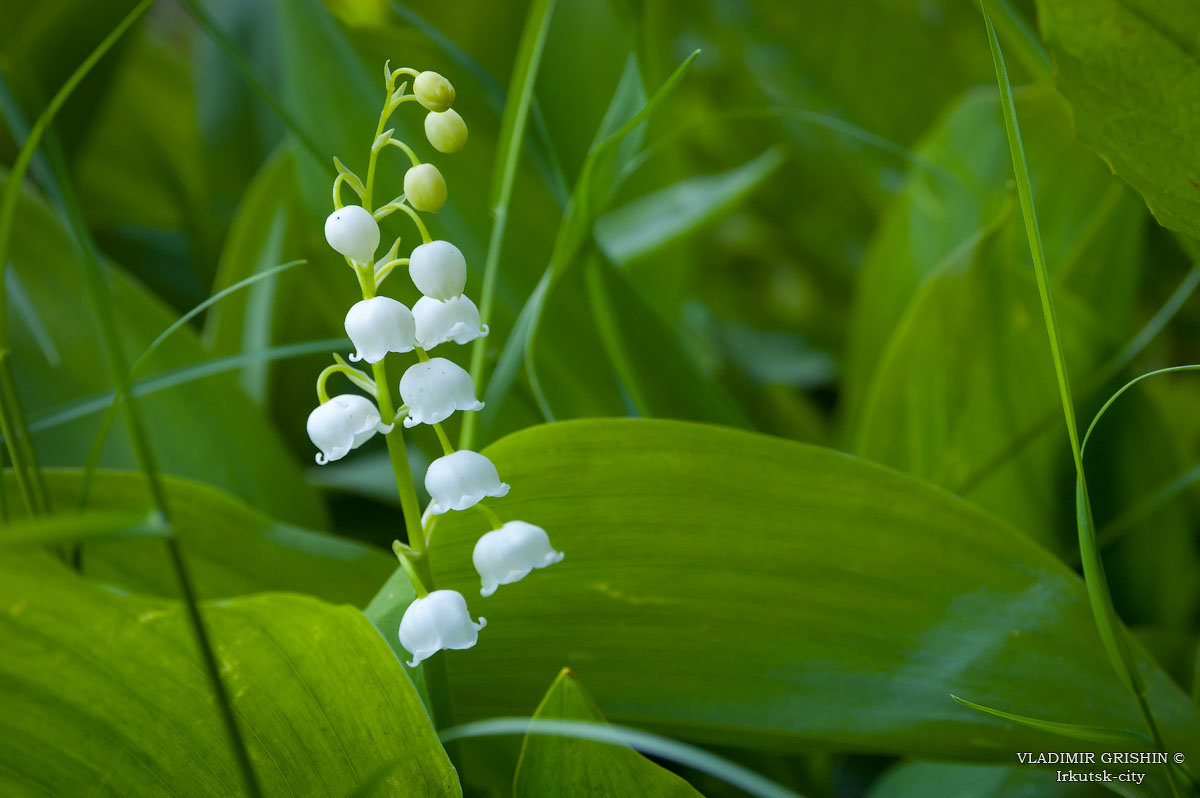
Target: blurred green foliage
[(814, 236)]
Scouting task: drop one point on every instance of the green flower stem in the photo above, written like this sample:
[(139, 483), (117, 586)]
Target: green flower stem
[(404, 555), (416, 562), (445, 441), (412, 156), (329, 371), (425, 237), (490, 515), (383, 271), (395, 442)]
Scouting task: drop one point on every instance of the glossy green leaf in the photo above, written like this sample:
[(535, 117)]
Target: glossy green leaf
[(649, 223), (563, 767), (254, 244), (626, 114), (71, 527), (1131, 72), (208, 431), (321, 698), (728, 587), (948, 361), (660, 376), (232, 548)]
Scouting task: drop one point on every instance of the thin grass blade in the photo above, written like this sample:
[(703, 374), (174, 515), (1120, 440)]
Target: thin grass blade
[(508, 151), (1091, 734), (661, 747), (1112, 634)]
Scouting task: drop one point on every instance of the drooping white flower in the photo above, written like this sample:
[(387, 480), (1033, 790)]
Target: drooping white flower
[(438, 269), (353, 232), (460, 480), (425, 188), (380, 325), (446, 131), (345, 422), (434, 389), (433, 91), (508, 554), (437, 621), (456, 319)]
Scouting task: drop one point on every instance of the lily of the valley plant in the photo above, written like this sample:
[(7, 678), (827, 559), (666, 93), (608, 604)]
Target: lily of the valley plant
[(433, 388)]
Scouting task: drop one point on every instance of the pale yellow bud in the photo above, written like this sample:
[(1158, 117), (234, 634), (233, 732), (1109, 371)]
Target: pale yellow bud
[(446, 131), (425, 188), (433, 91)]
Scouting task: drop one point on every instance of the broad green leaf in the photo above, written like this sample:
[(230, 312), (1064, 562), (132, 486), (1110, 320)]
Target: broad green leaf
[(207, 430), (738, 589), (385, 611), (661, 378), (648, 223), (254, 244), (72, 527), (589, 197), (143, 180), (560, 766), (103, 694), (948, 363), (1131, 71), (231, 547)]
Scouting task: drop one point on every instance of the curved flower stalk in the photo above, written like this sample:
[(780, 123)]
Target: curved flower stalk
[(432, 389)]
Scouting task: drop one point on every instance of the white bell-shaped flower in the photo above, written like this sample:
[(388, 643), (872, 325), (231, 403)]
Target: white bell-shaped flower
[(380, 325), (508, 554), (434, 389), (353, 232), (345, 422), (438, 269), (456, 319), (461, 480), (437, 621)]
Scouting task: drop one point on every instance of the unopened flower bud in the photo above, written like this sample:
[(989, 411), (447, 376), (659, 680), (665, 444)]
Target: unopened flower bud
[(446, 130), (460, 480), (436, 622), (433, 91), (508, 554), (434, 389), (438, 269), (425, 188), (353, 232), (456, 319), (343, 423), (380, 325)]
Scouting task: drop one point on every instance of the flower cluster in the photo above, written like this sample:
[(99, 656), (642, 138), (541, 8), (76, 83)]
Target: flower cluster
[(433, 388)]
